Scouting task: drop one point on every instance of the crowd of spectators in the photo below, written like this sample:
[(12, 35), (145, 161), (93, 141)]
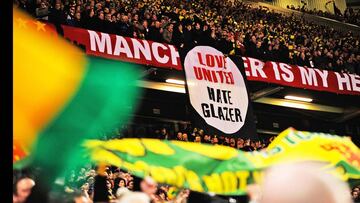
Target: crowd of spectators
[(112, 185), (118, 185), (200, 136), (119, 182), (234, 28), (97, 184), (350, 15), (79, 184)]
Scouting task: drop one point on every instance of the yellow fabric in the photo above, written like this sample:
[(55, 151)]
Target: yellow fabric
[(320, 148)]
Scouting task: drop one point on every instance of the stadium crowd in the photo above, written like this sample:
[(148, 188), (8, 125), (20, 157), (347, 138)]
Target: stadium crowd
[(120, 186), (91, 184), (350, 15), (79, 184), (199, 135), (234, 28)]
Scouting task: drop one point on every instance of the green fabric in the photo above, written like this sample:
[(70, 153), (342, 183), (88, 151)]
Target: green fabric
[(106, 98), (225, 170)]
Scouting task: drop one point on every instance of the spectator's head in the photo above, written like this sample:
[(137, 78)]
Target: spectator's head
[(240, 141), (154, 17), (258, 44), (113, 18), (205, 27), (232, 142), (197, 139), (180, 27), (124, 19), (247, 142), (98, 6), (58, 6), (108, 184), (136, 17), (72, 10), (112, 11), (163, 21), (258, 144), (184, 137), (271, 138), (253, 39), (43, 5), (157, 24), (355, 194), (101, 16), (91, 180), (145, 23), (130, 185), (312, 185), (170, 28), (78, 8), (82, 171), (91, 13), (162, 194), (108, 17), (224, 34), (78, 16), (215, 140), (207, 138), (106, 10), (127, 176), (106, 174), (122, 182), (179, 136), (147, 16), (239, 144), (22, 189), (356, 189), (197, 26), (188, 27), (85, 187), (148, 186), (201, 132), (92, 3)]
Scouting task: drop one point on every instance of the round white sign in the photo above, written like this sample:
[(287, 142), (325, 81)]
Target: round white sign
[(216, 88)]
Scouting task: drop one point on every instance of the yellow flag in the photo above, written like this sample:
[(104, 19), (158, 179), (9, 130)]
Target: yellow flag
[(42, 63)]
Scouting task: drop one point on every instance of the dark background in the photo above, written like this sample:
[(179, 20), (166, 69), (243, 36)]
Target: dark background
[(159, 109)]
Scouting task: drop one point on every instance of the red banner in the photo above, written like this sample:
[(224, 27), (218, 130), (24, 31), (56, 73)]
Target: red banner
[(166, 56), (125, 48), (301, 77)]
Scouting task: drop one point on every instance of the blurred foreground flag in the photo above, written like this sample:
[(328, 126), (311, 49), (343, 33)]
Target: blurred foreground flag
[(61, 97), (224, 170), (18, 151)]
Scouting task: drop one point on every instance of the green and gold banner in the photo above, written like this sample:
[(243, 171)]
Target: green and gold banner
[(221, 169)]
